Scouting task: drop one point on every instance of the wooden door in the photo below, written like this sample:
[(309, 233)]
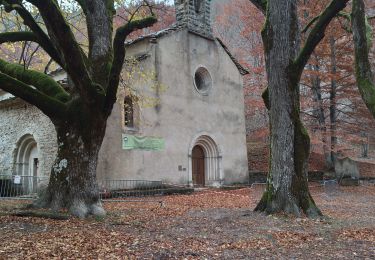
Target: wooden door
[(35, 174), (198, 166)]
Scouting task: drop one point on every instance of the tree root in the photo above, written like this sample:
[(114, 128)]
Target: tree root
[(40, 214), (81, 209), (77, 208), (289, 206)]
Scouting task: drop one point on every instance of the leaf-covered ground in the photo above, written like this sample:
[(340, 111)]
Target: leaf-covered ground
[(211, 224)]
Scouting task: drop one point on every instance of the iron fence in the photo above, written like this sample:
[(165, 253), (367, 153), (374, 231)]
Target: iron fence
[(130, 189), (21, 186), (28, 187)]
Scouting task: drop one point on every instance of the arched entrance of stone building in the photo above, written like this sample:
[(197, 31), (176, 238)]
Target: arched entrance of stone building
[(198, 166), (205, 162), (27, 162)]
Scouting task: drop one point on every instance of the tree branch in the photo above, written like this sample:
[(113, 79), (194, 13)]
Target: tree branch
[(310, 23), (83, 5), (49, 106), (40, 81), (26, 37), (119, 57), (73, 55), (344, 15), (317, 34), (261, 5), (18, 37), (29, 21), (99, 19)]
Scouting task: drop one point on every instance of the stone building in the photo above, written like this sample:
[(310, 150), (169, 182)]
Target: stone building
[(193, 134)]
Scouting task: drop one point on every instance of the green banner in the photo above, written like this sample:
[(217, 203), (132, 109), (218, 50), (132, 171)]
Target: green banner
[(130, 142)]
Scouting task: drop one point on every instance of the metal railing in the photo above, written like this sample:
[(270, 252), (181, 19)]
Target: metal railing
[(21, 186), (28, 187), (127, 189)]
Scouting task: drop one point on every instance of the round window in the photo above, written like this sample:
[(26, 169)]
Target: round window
[(202, 80)]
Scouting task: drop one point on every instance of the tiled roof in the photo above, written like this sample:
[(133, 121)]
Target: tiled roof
[(152, 37), (241, 69)]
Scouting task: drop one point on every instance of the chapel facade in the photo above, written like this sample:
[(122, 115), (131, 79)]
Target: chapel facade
[(193, 133)]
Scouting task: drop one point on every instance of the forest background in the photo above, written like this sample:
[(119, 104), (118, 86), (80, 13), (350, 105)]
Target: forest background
[(337, 120)]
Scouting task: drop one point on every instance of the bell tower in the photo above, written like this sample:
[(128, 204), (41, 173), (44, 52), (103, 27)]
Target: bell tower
[(195, 15)]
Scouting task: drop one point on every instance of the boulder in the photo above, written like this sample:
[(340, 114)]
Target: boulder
[(349, 181), (347, 171)]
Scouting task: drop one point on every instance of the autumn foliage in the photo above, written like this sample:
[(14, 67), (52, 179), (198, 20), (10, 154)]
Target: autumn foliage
[(332, 108)]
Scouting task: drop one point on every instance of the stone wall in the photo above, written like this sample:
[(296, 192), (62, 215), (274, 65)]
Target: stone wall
[(346, 168), (197, 21), (185, 115), (18, 119)]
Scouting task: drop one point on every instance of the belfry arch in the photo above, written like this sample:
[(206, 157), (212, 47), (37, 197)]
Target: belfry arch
[(212, 161)]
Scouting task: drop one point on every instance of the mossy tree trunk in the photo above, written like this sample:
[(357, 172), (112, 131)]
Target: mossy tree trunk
[(73, 176), (364, 75), (80, 113), (287, 184)]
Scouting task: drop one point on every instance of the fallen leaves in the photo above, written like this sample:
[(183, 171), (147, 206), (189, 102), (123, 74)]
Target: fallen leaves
[(365, 234), (294, 239), (261, 244), (210, 224)]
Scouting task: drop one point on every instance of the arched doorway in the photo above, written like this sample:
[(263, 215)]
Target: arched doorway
[(205, 160), (27, 162), (198, 166)]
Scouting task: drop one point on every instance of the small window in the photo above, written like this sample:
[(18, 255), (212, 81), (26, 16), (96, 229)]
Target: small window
[(198, 5), (202, 80), (128, 112)]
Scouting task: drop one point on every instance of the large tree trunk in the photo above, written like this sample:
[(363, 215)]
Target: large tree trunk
[(287, 186), (332, 99), (319, 114), (73, 183), (363, 71)]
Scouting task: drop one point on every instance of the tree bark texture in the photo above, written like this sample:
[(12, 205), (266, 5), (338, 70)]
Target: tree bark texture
[(332, 100), (364, 75), (287, 186), (319, 114), (73, 176)]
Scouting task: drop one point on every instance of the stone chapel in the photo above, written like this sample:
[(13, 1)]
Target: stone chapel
[(193, 135)]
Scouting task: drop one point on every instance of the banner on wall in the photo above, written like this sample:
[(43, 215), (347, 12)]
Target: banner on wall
[(132, 142)]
